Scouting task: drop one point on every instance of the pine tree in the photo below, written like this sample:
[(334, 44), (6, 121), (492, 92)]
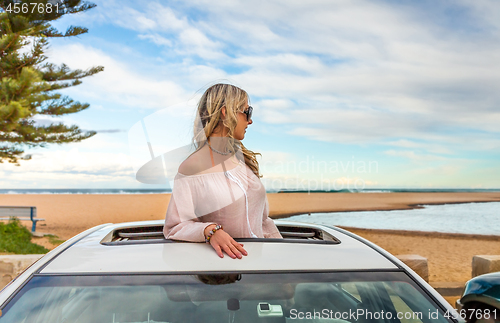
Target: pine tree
[(29, 84)]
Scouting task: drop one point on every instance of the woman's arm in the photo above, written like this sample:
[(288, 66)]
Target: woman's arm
[(183, 227), (181, 223)]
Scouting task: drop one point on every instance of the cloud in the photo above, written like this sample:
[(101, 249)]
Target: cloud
[(442, 171), (45, 120), (73, 168), (157, 39), (433, 148), (418, 77), (391, 59), (195, 42), (110, 130), (118, 83), (164, 26), (275, 104), (415, 157), (128, 17)]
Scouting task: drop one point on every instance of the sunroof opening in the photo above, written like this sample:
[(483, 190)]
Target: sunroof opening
[(154, 234)]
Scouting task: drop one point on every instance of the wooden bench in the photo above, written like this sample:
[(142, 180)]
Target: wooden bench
[(23, 213)]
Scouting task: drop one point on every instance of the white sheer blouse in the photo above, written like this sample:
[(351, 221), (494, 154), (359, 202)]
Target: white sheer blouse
[(234, 198)]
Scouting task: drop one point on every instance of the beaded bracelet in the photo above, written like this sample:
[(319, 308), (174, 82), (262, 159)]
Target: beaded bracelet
[(211, 233)]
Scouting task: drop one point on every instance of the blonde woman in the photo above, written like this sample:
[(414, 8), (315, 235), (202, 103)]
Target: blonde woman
[(217, 194)]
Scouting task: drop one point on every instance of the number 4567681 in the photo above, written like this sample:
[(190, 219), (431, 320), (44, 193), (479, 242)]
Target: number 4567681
[(32, 7)]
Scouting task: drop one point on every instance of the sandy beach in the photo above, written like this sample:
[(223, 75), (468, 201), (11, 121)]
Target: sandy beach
[(449, 255)]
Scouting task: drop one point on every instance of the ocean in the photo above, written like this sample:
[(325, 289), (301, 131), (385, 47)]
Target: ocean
[(469, 218), (84, 191)]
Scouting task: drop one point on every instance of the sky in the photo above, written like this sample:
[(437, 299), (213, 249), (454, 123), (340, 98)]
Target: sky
[(346, 94)]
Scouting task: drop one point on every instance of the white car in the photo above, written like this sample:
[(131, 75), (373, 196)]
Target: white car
[(128, 272)]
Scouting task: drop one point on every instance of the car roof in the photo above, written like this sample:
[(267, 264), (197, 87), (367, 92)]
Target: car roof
[(98, 253)]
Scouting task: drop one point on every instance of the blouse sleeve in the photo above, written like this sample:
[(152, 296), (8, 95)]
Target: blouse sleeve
[(268, 227), (181, 221)]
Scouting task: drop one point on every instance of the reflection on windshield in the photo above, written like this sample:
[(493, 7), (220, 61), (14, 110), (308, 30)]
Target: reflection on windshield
[(281, 297)]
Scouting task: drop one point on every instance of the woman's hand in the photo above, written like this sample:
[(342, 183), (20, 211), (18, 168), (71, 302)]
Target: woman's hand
[(222, 241)]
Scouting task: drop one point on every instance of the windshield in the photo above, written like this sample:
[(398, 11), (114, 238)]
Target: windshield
[(273, 297)]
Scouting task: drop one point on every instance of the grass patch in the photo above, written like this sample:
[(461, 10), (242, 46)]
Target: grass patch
[(53, 239), (15, 238)]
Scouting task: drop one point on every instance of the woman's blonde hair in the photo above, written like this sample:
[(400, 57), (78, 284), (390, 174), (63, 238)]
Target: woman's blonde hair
[(210, 112)]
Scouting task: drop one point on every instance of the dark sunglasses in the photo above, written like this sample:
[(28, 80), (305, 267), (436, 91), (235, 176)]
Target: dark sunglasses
[(248, 112)]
